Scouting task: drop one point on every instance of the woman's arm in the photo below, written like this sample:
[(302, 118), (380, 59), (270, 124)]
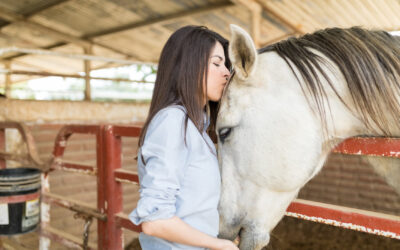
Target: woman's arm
[(176, 230)]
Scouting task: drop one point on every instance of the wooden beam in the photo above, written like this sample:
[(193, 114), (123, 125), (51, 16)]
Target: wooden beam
[(87, 40), (280, 17), (14, 17), (44, 6), (167, 18), (82, 42)]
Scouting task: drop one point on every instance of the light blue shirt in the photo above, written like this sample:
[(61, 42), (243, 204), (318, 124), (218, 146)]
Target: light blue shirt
[(178, 179)]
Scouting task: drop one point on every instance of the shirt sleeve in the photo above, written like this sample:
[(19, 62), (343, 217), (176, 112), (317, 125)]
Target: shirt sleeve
[(165, 154)]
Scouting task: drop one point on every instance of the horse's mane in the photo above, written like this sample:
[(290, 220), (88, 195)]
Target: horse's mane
[(368, 60)]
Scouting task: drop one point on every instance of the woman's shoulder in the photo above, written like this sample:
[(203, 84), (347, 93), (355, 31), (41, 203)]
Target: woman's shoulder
[(171, 116), (174, 109), (171, 112)]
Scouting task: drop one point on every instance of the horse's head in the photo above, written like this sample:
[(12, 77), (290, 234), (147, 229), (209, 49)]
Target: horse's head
[(269, 142), (286, 107)]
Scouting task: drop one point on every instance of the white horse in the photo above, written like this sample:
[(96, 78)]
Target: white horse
[(284, 110)]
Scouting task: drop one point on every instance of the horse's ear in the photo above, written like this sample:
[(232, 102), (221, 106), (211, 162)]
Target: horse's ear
[(242, 52)]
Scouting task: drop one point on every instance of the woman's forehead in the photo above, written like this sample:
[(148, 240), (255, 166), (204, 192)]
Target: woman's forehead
[(218, 51)]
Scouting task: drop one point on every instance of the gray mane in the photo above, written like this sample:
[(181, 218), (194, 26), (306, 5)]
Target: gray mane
[(368, 60)]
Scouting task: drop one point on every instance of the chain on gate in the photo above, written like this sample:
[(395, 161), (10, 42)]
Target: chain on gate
[(88, 221)]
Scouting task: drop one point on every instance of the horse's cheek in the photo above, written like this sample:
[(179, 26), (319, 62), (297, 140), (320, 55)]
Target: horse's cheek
[(229, 211)]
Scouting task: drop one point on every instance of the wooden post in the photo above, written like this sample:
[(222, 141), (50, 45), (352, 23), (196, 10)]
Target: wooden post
[(7, 87), (88, 51), (2, 148), (256, 24), (256, 11)]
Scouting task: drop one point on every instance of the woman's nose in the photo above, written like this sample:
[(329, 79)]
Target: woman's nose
[(227, 74)]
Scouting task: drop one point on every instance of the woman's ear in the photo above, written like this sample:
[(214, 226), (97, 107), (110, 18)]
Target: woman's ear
[(242, 52)]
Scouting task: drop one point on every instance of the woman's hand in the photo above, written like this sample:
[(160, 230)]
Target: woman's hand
[(176, 230), (225, 245)]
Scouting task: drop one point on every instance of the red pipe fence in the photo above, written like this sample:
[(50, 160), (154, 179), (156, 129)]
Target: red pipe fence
[(110, 174)]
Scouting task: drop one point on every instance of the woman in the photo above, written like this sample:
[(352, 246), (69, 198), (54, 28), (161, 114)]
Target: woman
[(177, 164)]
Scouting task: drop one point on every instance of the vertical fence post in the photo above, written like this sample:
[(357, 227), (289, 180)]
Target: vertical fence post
[(101, 186), (2, 146), (87, 66), (44, 241), (113, 237)]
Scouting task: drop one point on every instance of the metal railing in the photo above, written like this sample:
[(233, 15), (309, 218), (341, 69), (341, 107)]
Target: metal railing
[(110, 175), (350, 218)]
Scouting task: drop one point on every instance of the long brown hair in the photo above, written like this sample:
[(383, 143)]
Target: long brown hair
[(182, 70), (368, 60)]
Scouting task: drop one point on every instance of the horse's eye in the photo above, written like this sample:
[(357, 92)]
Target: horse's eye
[(224, 133)]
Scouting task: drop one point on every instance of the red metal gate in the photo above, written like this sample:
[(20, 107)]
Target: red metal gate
[(109, 174)]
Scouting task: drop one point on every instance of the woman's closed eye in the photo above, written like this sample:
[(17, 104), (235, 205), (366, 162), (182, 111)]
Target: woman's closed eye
[(216, 64)]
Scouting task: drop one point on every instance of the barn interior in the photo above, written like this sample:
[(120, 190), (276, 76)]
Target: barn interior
[(71, 39)]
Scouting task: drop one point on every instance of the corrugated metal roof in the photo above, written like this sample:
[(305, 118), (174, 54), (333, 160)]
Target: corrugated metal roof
[(138, 29)]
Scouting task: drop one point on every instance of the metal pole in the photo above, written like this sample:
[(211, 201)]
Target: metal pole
[(113, 190), (101, 195)]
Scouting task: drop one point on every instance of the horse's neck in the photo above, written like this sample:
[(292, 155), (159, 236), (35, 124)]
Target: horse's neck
[(345, 120), (341, 116)]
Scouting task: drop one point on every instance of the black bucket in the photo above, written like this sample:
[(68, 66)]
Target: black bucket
[(19, 200)]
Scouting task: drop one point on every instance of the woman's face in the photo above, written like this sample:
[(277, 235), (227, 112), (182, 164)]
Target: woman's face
[(218, 74)]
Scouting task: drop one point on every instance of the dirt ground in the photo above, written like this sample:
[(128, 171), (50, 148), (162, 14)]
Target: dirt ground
[(295, 234), (292, 233)]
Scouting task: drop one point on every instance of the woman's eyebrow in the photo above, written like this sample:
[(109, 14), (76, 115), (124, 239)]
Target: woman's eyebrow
[(220, 57)]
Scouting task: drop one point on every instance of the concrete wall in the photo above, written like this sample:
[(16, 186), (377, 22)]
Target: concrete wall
[(38, 112)]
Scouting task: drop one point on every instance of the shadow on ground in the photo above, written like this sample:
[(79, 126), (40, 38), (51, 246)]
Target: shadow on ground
[(293, 233)]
